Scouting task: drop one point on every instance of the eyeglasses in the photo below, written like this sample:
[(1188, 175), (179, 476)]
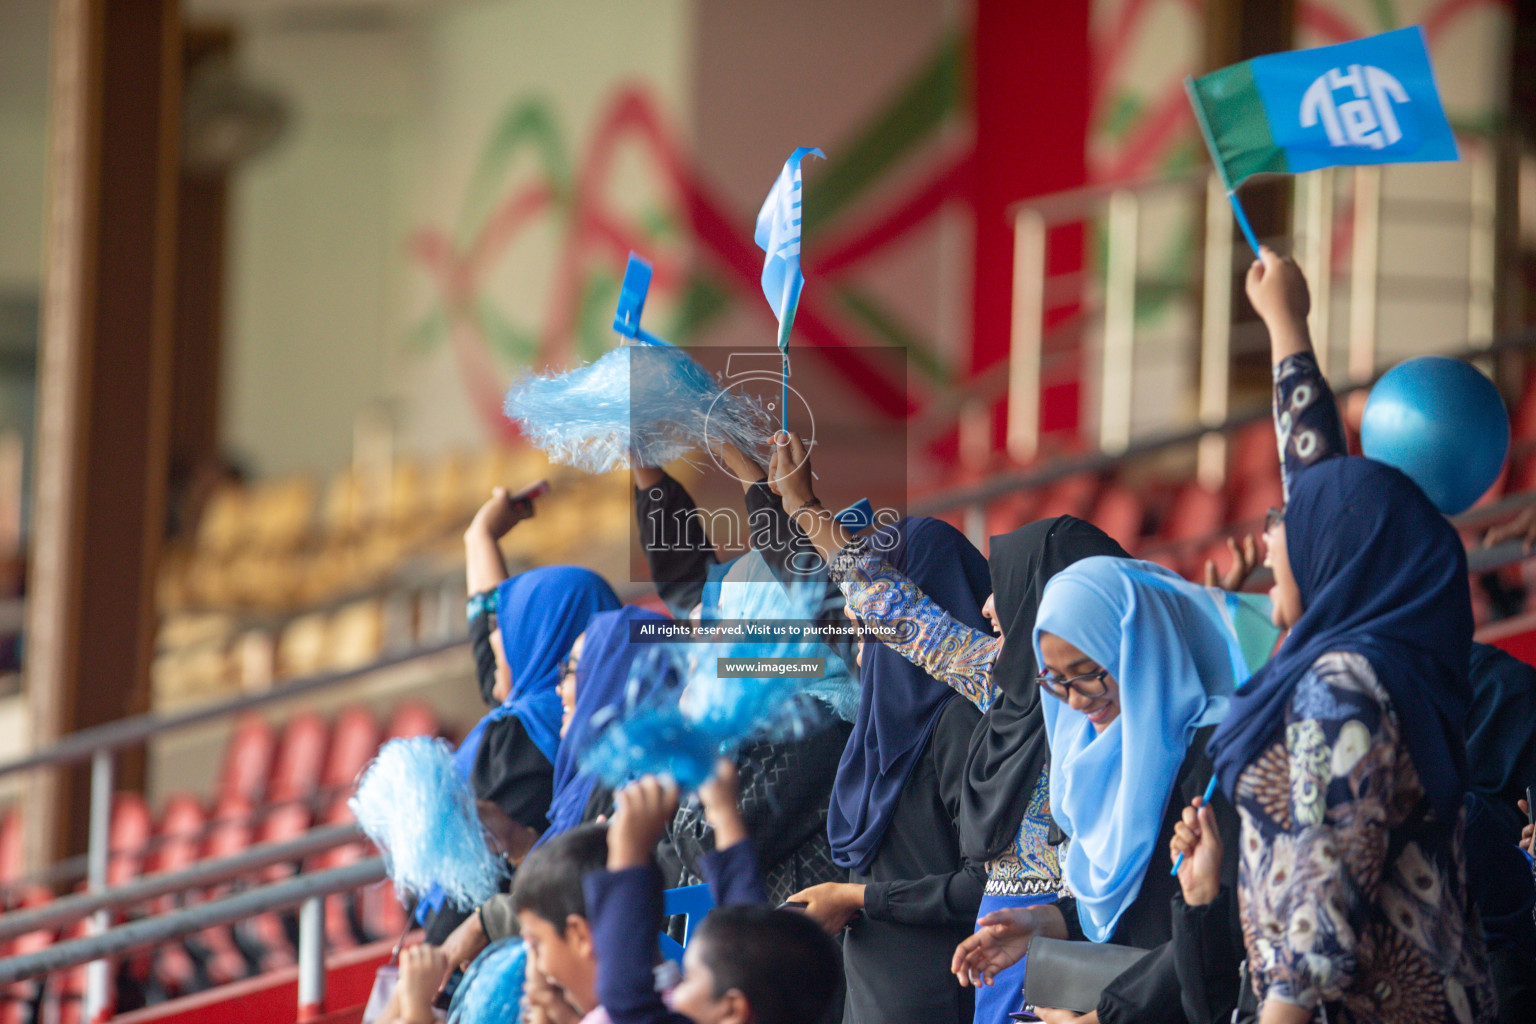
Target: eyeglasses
[(568, 665), (1089, 684), (1273, 518)]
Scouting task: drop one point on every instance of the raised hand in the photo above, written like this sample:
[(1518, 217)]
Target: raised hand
[(1278, 289), (789, 472), (721, 799), (644, 808), (1245, 558), (1522, 526), (501, 512), (466, 942), (422, 970), (1196, 838)]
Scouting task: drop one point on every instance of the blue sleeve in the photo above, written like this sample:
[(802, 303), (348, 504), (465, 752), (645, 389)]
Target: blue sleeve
[(733, 876), (624, 909), (1307, 424)]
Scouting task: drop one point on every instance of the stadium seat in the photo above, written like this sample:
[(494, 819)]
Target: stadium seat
[(300, 760), (1119, 512), (412, 718), (354, 741), (247, 761)]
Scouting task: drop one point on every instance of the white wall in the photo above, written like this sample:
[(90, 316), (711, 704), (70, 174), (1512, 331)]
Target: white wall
[(392, 117), (23, 140)]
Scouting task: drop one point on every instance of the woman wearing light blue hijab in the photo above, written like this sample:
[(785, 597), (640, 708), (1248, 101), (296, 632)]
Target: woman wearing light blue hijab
[(1140, 664)]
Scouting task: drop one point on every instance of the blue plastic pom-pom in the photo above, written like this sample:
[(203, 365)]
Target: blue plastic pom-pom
[(421, 813), (638, 405), (491, 991)]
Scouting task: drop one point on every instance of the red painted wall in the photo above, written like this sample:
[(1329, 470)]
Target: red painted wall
[(1032, 101)]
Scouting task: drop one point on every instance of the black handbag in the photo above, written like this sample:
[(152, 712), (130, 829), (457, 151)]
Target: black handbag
[(1072, 975)]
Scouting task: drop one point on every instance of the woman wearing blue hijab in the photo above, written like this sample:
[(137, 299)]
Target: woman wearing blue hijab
[(1138, 665), (539, 615), (521, 630)]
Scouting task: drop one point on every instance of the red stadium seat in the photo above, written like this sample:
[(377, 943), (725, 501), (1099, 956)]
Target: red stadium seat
[(1522, 425), (180, 838), (354, 741), (1194, 512), (230, 833), (300, 760), (1119, 512), (1011, 512), (12, 846), (1253, 452), (20, 1001), (247, 761), (1254, 499), (412, 718), (342, 924), (1071, 496), (129, 838)]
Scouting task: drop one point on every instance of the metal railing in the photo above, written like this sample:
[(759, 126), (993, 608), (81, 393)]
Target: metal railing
[(1103, 297), (971, 499), (305, 891), (98, 745), (69, 909)]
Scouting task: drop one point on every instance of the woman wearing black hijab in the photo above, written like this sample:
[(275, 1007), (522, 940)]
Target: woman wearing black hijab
[(910, 894)]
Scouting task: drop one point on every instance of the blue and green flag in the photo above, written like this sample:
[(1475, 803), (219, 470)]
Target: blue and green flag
[(1370, 101)]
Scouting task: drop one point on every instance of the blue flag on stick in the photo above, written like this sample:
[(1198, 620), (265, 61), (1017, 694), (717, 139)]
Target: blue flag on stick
[(1370, 101), (778, 235)]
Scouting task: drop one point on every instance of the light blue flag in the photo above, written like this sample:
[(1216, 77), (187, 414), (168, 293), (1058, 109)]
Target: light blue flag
[(778, 235)]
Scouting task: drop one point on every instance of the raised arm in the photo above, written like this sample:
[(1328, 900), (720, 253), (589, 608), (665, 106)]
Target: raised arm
[(931, 639), (1307, 424), (677, 548)]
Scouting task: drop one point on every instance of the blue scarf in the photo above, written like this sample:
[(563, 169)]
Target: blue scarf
[(540, 614), (899, 703), (1171, 648), (1381, 574), (602, 691)]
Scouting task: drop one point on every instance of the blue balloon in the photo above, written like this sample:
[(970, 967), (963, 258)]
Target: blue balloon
[(1443, 423)]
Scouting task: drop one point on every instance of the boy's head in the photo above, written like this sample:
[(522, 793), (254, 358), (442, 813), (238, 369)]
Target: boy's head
[(757, 965), (552, 911)]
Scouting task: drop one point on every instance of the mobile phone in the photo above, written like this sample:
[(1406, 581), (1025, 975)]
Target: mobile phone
[(444, 998), (793, 905), (1530, 804), (531, 492), (1025, 1016)]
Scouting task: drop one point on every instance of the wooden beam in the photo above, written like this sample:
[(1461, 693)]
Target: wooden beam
[(103, 382)]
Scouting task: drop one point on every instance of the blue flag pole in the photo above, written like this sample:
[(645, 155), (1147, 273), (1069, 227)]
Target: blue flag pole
[(1242, 222)]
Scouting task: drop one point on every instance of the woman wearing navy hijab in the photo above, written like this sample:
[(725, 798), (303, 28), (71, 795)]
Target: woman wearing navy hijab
[(910, 894), (1346, 754)]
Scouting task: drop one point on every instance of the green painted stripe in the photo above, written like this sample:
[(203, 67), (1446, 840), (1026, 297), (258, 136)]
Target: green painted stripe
[(702, 301), (1386, 17), (1235, 125), (918, 110), (529, 123)]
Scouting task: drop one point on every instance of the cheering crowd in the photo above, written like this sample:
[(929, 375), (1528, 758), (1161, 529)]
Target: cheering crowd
[(1078, 786)]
